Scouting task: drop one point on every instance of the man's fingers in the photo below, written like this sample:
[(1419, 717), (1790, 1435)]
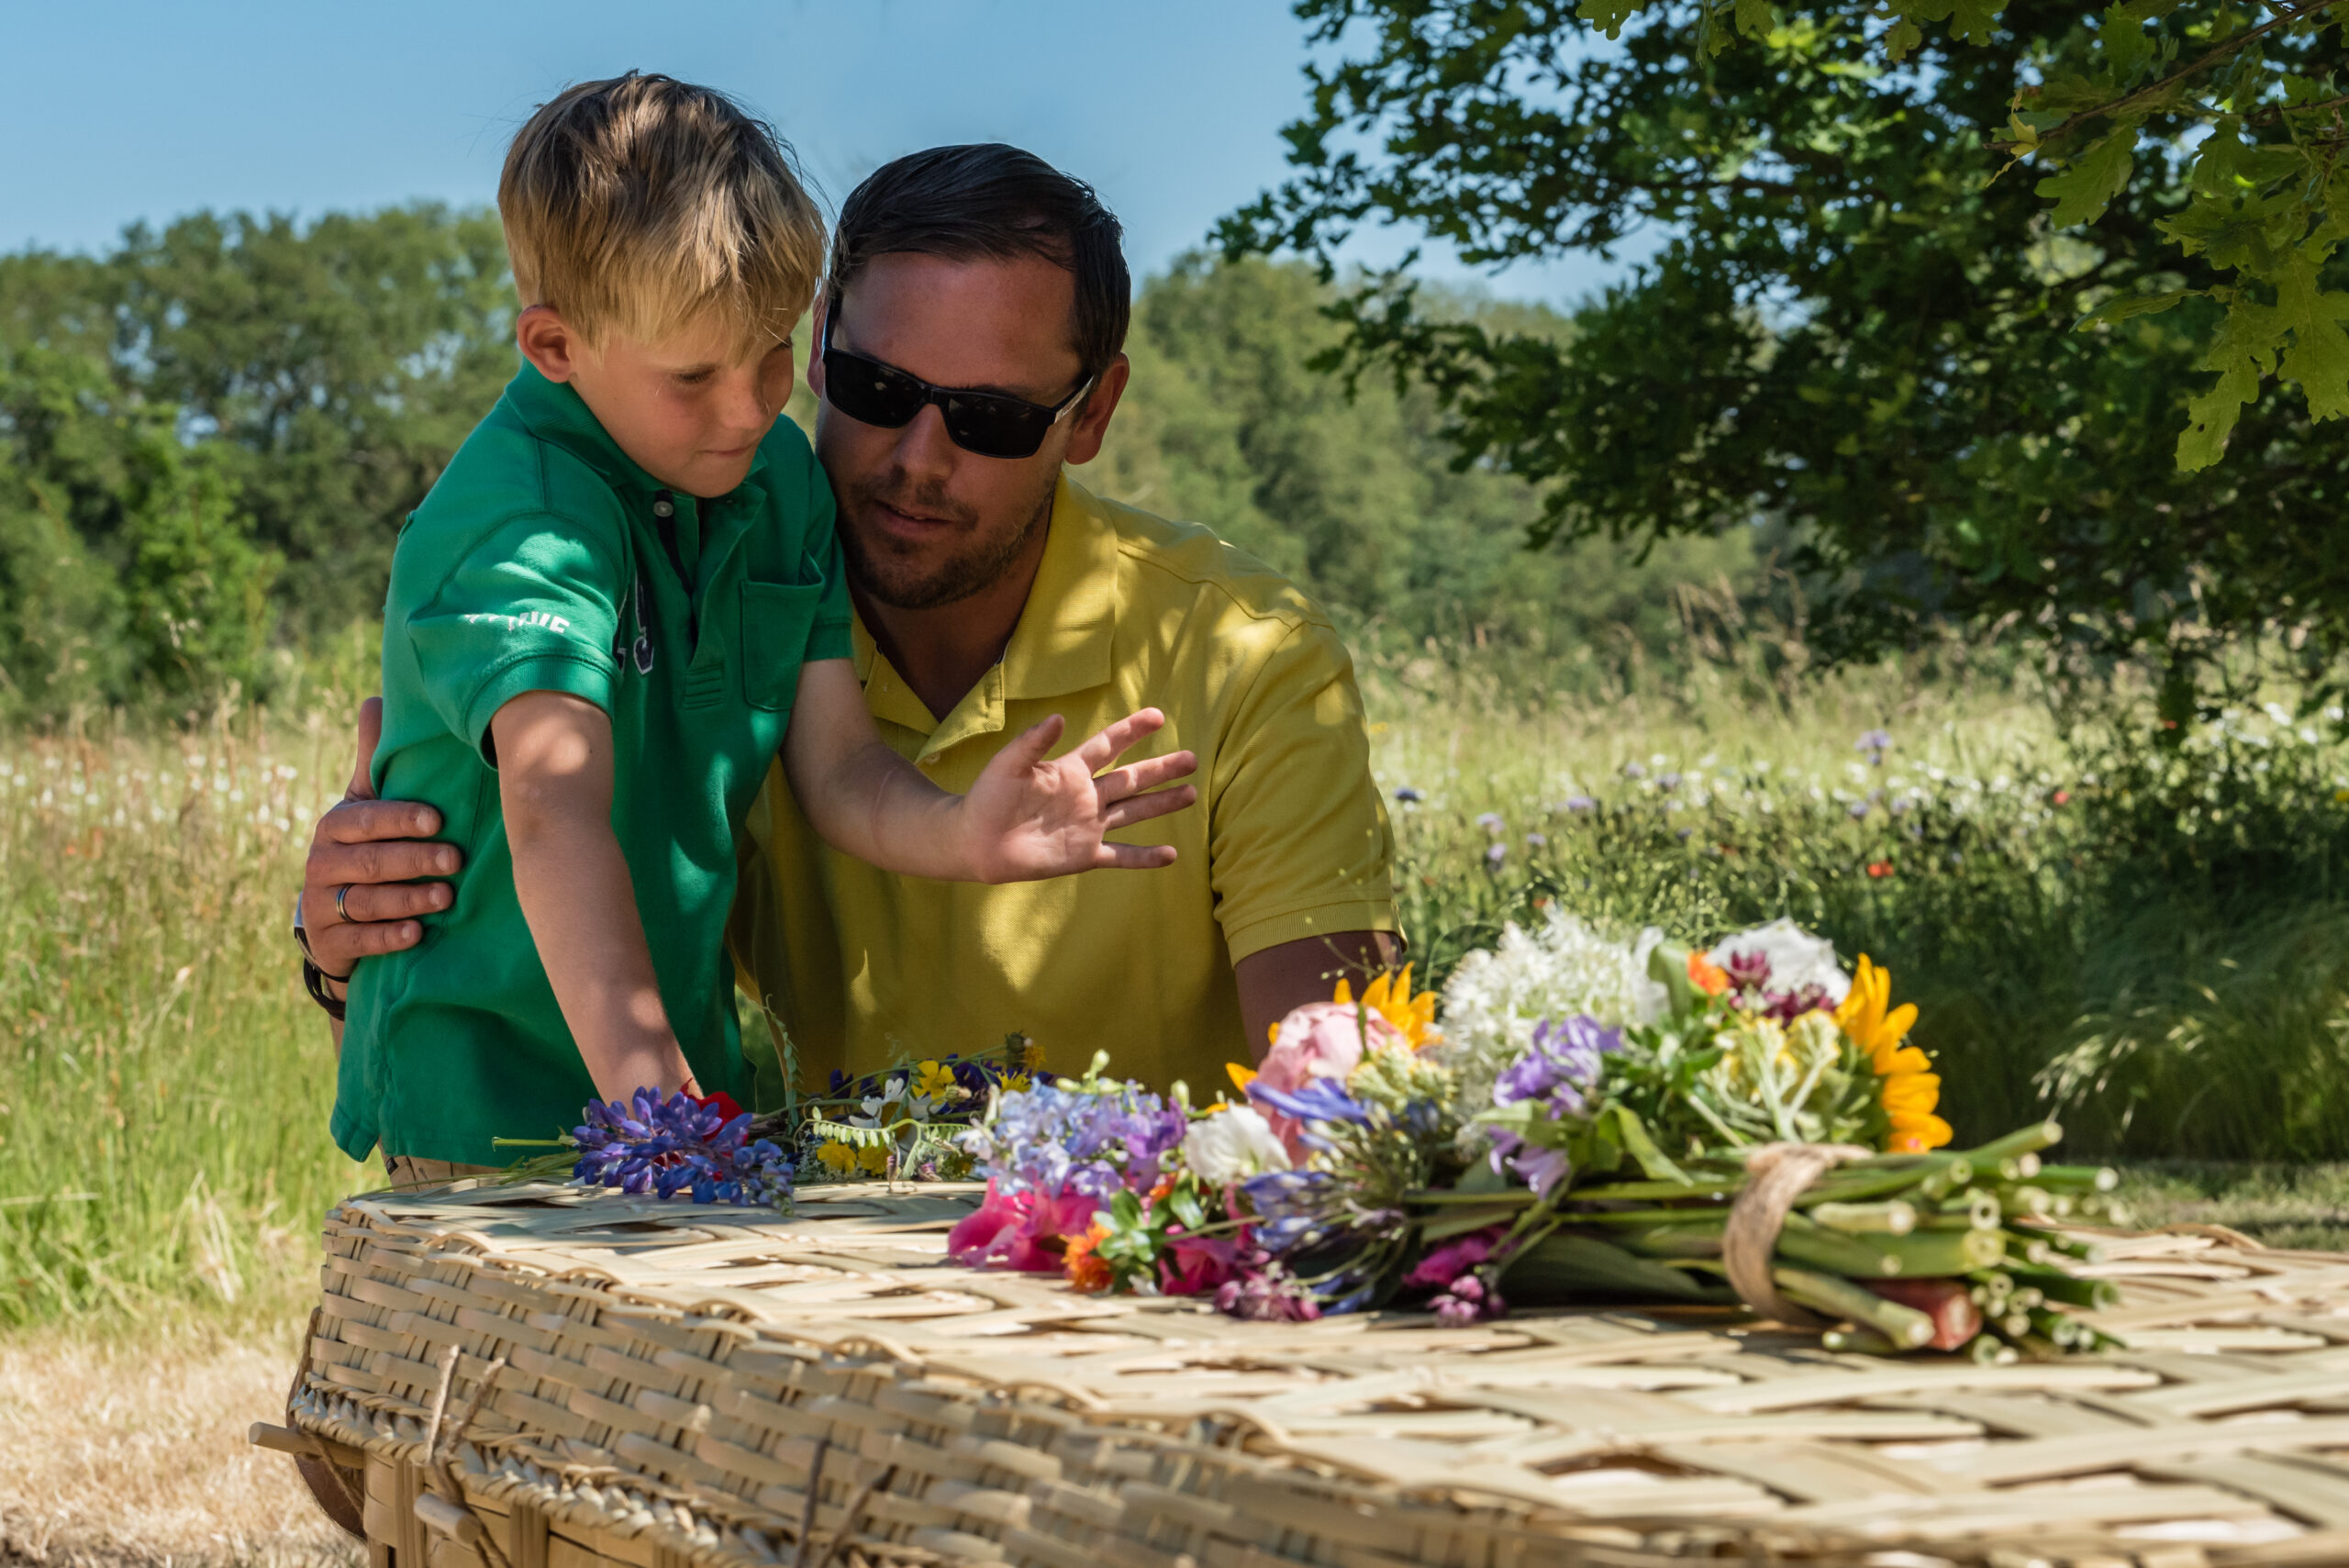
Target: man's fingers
[(397, 860), (1143, 807), (1134, 856), (370, 731), (339, 949), (1117, 738), (363, 821), (395, 901), (1149, 773)]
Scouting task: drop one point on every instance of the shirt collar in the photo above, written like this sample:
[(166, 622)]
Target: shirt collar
[(1064, 641), (556, 413)]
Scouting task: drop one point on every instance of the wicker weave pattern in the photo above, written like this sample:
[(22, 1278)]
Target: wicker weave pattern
[(673, 1369)]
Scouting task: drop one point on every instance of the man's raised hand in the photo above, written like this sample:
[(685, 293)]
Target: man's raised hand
[(365, 849), (1027, 817)]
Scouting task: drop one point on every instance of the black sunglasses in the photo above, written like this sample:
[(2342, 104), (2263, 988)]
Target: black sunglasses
[(987, 423)]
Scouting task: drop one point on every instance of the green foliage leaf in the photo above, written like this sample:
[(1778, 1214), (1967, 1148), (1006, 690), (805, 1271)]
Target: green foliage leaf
[(2244, 350), (2121, 308), (1609, 15), (2088, 186), (2319, 356)]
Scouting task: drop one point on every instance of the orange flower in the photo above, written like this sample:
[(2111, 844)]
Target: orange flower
[(1706, 975), (1086, 1272)]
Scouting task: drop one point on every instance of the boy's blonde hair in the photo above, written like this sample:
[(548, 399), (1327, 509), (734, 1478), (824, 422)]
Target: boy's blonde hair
[(643, 203)]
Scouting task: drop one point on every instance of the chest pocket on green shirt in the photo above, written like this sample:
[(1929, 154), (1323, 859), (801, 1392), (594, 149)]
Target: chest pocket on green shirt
[(776, 619)]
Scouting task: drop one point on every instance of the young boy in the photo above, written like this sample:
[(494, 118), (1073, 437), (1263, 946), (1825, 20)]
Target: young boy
[(622, 596)]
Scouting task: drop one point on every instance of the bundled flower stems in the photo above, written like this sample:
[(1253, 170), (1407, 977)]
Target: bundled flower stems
[(1937, 1251)]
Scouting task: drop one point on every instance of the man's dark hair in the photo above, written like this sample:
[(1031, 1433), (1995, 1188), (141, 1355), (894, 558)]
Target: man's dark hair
[(993, 202)]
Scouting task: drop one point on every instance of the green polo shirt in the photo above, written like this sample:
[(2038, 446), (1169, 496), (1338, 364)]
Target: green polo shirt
[(545, 559)]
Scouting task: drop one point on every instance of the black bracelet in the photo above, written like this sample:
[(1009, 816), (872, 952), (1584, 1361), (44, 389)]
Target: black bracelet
[(313, 980)]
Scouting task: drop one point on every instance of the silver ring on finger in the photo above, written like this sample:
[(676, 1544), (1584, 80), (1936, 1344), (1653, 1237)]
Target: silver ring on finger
[(339, 912)]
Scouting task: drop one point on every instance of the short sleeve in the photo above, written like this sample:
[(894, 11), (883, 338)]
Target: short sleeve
[(534, 607), (1299, 838), (829, 637)]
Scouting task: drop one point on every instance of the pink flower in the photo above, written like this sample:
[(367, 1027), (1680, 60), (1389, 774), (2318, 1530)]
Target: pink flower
[(1196, 1265), (1450, 1260), (1320, 1040), (1011, 1230)]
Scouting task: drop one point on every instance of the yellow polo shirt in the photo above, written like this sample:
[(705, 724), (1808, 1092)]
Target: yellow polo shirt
[(1289, 840)]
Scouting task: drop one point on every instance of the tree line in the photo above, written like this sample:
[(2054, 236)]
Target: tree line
[(209, 435)]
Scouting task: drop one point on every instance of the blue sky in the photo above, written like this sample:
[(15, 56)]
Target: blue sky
[(119, 112)]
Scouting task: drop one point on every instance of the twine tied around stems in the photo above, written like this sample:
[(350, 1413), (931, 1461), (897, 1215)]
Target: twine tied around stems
[(1776, 1175)]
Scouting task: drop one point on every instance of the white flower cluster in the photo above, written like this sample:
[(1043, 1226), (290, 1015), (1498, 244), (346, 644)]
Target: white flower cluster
[(1495, 998)]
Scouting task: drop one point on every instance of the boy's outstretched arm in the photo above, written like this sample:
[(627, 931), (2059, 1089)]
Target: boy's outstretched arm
[(554, 779), (1026, 818)]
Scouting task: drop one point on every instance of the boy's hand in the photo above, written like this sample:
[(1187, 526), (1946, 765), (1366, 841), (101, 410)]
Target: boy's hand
[(1029, 817)]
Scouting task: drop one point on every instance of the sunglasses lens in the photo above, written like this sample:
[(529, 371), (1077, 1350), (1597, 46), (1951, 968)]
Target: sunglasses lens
[(869, 393), (996, 426)]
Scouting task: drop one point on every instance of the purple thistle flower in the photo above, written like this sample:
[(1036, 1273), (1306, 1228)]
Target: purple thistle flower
[(1496, 855)]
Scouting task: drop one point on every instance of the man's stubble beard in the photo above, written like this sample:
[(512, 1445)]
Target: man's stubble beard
[(891, 580)]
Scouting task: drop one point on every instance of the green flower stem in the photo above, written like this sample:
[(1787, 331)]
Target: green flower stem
[(1905, 1326)]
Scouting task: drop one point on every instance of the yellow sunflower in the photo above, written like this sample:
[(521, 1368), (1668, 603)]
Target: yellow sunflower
[(1390, 997), (1909, 1090)]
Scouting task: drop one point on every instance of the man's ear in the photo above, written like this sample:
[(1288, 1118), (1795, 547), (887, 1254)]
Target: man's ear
[(1091, 426), (547, 340), (816, 347)]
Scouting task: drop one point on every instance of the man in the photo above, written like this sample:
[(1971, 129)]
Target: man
[(969, 346)]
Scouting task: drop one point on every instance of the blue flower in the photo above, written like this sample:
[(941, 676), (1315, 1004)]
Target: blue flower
[(677, 1145), (1490, 822), (1408, 795), (1580, 802), (1317, 1099)]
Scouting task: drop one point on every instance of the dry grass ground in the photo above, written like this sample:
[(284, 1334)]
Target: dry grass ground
[(130, 1449)]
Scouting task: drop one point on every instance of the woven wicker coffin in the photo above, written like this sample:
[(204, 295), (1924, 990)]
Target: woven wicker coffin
[(671, 1374)]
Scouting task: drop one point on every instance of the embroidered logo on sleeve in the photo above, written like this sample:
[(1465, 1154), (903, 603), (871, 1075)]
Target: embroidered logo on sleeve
[(553, 623)]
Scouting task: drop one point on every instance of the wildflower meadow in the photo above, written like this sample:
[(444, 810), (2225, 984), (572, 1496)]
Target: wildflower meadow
[(2134, 929)]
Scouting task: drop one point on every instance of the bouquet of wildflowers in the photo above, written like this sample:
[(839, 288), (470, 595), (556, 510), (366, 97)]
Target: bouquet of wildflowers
[(901, 1124), (1596, 1120)]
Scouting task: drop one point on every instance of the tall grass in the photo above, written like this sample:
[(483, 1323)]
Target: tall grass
[(163, 1083), (2141, 931)]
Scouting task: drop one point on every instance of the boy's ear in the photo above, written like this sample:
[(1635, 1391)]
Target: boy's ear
[(547, 340)]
